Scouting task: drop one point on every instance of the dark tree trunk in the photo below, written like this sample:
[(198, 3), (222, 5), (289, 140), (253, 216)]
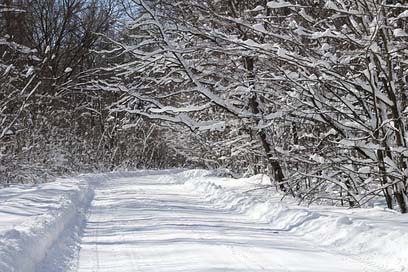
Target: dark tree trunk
[(381, 169), (276, 168), (401, 197)]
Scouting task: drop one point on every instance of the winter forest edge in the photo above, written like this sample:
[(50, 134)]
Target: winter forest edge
[(312, 93)]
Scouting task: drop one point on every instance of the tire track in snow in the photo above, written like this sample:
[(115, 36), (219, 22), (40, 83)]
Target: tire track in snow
[(131, 255), (163, 243), (96, 235)]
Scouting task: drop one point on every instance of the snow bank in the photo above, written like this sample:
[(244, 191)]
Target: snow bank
[(374, 236), (34, 217), (38, 217)]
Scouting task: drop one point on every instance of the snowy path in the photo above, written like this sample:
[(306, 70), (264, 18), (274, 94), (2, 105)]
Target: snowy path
[(149, 224)]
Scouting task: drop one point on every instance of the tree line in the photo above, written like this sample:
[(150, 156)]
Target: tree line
[(52, 122), (312, 93)]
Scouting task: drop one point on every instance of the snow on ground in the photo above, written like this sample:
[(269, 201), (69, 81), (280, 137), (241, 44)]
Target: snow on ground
[(375, 236), (32, 217), (188, 221)]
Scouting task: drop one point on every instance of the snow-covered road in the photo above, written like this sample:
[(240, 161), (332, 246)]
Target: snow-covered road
[(188, 221), (148, 223)]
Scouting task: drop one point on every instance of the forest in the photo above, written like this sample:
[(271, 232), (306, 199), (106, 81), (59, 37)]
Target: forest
[(312, 93)]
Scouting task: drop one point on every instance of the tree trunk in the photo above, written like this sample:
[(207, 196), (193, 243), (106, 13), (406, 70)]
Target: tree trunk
[(382, 174), (277, 172), (401, 197)]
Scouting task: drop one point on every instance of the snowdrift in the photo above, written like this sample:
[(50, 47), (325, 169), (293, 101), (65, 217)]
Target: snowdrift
[(375, 236), (34, 217), (37, 217)]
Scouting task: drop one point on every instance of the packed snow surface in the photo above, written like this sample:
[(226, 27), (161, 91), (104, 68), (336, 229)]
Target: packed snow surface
[(188, 221)]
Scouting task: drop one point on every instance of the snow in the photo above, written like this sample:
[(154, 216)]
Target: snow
[(8, 69), (318, 35), (330, 5), (404, 14), (68, 70), (32, 217), (373, 236), (279, 4), (190, 108), (29, 72), (258, 8), (188, 221), (251, 42), (211, 125), (260, 27), (398, 32)]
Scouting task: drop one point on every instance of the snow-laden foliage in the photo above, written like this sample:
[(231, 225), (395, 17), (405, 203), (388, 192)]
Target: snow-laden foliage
[(52, 122), (312, 91)]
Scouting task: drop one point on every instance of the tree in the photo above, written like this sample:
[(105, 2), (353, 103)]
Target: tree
[(320, 84), (46, 56)]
